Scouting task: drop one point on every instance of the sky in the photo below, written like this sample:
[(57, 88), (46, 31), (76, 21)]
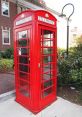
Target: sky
[(76, 17)]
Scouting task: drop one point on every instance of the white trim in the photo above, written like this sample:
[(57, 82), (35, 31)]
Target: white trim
[(3, 37), (8, 8), (27, 19), (40, 18)]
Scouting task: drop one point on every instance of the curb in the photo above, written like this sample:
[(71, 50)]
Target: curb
[(6, 96)]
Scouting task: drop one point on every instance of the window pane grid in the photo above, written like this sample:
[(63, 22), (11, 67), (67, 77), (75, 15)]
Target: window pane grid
[(24, 64), (24, 88), (43, 81), (24, 72), (6, 37), (47, 61), (47, 88), (23, 56)]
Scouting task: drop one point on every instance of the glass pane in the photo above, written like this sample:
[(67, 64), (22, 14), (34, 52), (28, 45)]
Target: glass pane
[(23, 51), (24, 60), (24, 68), (47, 55), (47, 34), (47, 59), (48, 66), (24, 76), (22, 43), (47, 92), (6, 36), (47, 51), (48, 84), (24, 88), (18, 9), (47, 43), (5, 8), (47, 75), (22, 34)]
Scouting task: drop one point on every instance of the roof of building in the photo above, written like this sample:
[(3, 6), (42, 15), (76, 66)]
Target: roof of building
[(37, 2), (35, 5)]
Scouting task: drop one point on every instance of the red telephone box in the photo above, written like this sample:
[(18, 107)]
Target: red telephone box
[(35, 57)]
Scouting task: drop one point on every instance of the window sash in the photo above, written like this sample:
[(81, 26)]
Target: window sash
[(3, 42), (2, 8)]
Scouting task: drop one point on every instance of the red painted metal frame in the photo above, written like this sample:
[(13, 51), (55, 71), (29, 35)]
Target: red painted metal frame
[(34, 85)]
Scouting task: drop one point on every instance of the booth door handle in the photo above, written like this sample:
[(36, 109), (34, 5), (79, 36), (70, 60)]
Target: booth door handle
[(38, 65)]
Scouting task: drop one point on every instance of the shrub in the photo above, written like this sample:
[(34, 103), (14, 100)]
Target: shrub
[(0, 55), (70, 69), (80, 95), (8, 53), (6, 65), (64, 73)]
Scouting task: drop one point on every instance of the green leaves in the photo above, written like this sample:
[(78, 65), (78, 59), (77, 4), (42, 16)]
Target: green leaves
[(6, 65), (70, 69)]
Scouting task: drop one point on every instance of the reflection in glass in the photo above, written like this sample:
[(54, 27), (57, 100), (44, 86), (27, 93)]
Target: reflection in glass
[(5, 8), (48, 84), (47, 51), (47, 59), (6, 35), (24, 68), (47, 92), (48, 34), (22, 34), (24, 88), (24, 60), (22, 43), (23, 51), (24, 76), (47, 43)]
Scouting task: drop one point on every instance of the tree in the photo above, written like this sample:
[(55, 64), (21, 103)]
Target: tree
[(78, 40)]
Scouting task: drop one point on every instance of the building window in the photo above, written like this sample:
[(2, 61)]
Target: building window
[(5, 8), (21, 8), (6, 37)]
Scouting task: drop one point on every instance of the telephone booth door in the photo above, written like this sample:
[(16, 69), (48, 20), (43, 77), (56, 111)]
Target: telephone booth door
[(23, 63), (47, 63)]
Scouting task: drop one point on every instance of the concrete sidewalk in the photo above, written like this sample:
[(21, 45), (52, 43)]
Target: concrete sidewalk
[(60, 108)]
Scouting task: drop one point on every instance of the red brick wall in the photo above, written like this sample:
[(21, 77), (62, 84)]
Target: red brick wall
[(7, 22)]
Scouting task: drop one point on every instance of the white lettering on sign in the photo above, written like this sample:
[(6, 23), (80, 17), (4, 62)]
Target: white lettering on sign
[(27, 19), (46, 20)]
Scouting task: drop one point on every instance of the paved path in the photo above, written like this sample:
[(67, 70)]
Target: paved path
[(60, 108), (7, 82)]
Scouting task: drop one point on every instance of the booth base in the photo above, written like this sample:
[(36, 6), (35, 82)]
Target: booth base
[(33, 110)]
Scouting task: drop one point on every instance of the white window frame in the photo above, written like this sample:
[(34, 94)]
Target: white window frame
[(2, 1), (3, 37)]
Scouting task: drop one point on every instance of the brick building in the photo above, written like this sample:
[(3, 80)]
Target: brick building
[(8, 10), (6, 23)]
